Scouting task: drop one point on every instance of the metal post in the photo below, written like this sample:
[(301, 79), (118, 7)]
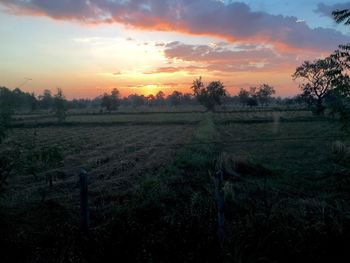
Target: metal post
[(84, 209)]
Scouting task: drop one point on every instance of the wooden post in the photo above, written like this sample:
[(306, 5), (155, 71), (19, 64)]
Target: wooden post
[(219, 178), (84, 209), (50, 180)]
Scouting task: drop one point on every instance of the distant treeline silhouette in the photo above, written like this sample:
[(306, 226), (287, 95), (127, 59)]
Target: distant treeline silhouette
[(20, 101)]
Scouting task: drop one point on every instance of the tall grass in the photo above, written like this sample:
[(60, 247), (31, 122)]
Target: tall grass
[(172, 216)]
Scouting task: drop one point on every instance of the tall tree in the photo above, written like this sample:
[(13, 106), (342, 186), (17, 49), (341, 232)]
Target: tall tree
[(265, 93), (209, 96), (60, 106), (175, 98), (318, 79), (342, 16), (243, 96), (160, 98), (112, 101), (340, 104), (115, 99), (46, 100)]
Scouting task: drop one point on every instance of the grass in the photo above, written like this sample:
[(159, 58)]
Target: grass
[(272, 147), (286, 200), (174, 210), (112, 119), (282, 203), (110, 155)]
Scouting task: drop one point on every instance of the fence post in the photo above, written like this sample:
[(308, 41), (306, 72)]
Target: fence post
[(84, 209), (218, 179)]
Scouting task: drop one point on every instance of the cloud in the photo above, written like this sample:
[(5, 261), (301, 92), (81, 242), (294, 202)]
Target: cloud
[(188, 69), (205, 53), (233, 22), (229, 58), (326, 10)]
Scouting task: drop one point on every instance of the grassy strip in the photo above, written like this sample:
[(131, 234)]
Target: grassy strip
[(284, 120), (42, 117), (258, 110), (101, 124), (253, 110)]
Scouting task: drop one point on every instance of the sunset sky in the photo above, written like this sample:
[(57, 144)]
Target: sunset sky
[(143, 46)]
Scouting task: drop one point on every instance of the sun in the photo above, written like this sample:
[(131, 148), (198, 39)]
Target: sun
[(151, 89)]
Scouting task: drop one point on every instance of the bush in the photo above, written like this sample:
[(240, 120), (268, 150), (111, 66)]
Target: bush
[(8, 159)]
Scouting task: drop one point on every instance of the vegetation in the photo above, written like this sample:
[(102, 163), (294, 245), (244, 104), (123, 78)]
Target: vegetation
[(7, 164), (25, 105), (111, 102), (340, 103), (6, 111), (60, 106), (151, 189), (209, 96), (342, 16), (256, 96), (321, 78)]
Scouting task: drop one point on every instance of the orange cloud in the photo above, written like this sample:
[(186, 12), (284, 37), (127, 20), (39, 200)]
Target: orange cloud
[(234, 22)]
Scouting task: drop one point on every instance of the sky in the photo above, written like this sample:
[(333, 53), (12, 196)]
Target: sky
[(88, 47)]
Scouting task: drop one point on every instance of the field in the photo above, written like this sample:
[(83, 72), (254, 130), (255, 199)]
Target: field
[(152, 196), (111, 155)]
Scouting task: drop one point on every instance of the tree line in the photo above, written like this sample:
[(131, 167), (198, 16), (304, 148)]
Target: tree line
[(19, 101)]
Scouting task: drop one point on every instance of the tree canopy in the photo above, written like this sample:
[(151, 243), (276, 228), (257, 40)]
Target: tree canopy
[(209, 96), (111, 101), (342, 16), (60, 105), (255, 96), (319, 78)]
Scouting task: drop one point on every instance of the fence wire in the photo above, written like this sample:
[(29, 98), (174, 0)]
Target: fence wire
[(238, 141)]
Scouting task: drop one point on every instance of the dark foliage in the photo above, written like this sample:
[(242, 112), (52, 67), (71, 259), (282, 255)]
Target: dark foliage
[(209, 96)]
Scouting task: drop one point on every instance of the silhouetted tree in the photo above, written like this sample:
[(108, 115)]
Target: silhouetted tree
[(319, 78), (209, 96), (115, 98), (254, 96), (106, 102), (187, 99), (151, 100), (136, 100), (243, 96), (160, 98), (33, 102), (60, 106), (111, 102), (80, 103), (342, 16), (175, 98), (339, 102), (23, 100), (264, 94), (252, 102), (46, 100)]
